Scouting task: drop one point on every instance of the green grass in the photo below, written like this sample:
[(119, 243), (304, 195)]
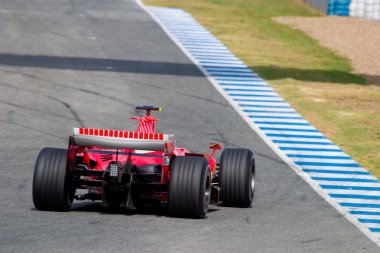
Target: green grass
[(315, 80), (272, 49)]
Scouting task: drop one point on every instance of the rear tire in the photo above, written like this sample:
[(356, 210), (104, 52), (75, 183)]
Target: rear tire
[(52, 187), (189, 187), (237, 177)]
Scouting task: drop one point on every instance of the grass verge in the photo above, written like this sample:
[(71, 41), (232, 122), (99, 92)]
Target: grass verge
[(315, 80)]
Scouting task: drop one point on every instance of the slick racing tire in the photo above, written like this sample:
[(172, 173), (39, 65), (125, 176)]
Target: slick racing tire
[(52, 189), (189, 187), (237, 177)]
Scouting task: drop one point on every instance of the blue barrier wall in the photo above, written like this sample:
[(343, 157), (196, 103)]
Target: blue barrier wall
[(368, 9), (339, 7)]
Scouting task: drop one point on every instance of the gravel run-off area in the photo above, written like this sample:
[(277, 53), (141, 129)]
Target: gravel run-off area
[(357, 39)]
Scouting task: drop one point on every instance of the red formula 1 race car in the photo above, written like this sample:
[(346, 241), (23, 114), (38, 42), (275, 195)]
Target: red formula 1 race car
[(136, 169)]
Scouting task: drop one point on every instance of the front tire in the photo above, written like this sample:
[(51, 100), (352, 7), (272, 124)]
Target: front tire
[(52, 187), (237, 177), (189, 187)]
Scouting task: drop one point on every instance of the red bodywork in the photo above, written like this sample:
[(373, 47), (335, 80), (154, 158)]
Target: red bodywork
[(97, 159)]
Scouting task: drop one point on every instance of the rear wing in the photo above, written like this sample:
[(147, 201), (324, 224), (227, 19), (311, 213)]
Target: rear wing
[(121, 139)]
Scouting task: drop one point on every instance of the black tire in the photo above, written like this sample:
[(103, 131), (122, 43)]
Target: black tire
[(237, 177), (189, 187), (52, 187)]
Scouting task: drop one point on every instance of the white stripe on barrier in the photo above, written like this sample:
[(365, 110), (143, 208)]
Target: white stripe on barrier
[(376, 193)]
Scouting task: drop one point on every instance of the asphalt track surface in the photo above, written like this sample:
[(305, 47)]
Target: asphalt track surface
[(66, 64)]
